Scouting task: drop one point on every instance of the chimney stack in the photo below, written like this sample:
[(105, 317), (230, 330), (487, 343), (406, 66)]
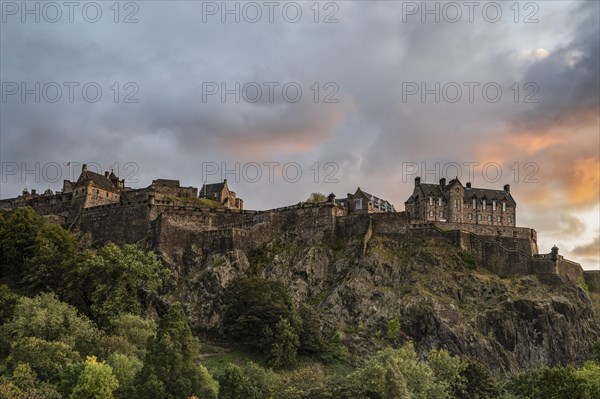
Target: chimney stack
[(106, 174), (33, 191), (443, 182), (507, 188), (84, 167), (469, 184), (417, 181)]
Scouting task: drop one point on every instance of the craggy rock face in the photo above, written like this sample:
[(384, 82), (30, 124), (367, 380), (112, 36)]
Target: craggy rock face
[(441, 298)]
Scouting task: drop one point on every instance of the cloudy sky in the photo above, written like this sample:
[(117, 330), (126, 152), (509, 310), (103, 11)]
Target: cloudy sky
[(288, 98)]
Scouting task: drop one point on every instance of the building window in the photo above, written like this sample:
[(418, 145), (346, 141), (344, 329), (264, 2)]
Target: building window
[(358, 203), (478, 217), (503, 206), (470, 216), (474, 203), (498, 218), (440, 201), (489, 218), (509, 219), (483, 204), (441, 215), (430, 214), (494, 205), (431, 201)]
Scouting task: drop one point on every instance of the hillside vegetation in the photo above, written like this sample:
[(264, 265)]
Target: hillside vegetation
[(410, 319)]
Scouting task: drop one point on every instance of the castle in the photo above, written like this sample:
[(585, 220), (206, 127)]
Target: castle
[(168, 217)]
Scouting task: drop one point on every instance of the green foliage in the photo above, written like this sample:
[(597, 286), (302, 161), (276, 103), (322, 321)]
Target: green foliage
[(394, 328), (125, 369), (47, 359), (169, 370), (95, 382), (302, 383), (130, 335), (469, 261), (253, 314), (23, 384), (550, 383), (116, 279), (54, 251), (316, 198), (479, 383), (448, 371), (393, 374), (8, 300), (334, 349), (596, 352), (17, 238), (282, 344), (311, 339), (49, 319), (250, 382)]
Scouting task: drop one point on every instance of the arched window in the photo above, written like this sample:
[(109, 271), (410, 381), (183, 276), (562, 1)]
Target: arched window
[(430, 214)]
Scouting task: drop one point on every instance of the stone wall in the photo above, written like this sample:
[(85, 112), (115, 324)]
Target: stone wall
[(519, 238)]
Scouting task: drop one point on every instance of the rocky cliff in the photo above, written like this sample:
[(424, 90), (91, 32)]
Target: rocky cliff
[(442, 298)]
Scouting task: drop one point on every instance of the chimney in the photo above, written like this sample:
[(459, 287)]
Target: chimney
[(106, 174), (443, 182), (507, 188), (84, 167), (33, 191), (469, 184), (417, 181), (224, 180)]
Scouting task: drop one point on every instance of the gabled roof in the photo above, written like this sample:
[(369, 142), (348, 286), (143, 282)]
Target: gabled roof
[(374, 199), (98, 180), (213, 188)]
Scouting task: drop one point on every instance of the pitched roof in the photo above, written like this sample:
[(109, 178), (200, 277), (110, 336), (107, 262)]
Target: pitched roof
[(375, 199), (98, 180), (489, 194), (212, 188)]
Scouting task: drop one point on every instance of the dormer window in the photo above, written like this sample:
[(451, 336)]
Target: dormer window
[(358, 203)]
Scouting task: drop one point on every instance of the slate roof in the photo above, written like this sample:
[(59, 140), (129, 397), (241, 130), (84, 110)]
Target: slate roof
[(212, 188), (378, 200), (98, 180), (435, 190)]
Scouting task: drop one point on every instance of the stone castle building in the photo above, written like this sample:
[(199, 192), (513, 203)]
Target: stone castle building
[(167, 215), (454, 203), (220, 192)]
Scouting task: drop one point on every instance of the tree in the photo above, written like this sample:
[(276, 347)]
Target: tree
[(250, 382), (316, 198), (17, 236), (448, 371), (47, 359), (125, 369), (51, 320), (596, 352), (129, 336), (170, 371), (311, 339), (479, 383), (53, 255), (549, 383), (23, 384), (282, 344), (120, 277), (253, 306), (95, 382)]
